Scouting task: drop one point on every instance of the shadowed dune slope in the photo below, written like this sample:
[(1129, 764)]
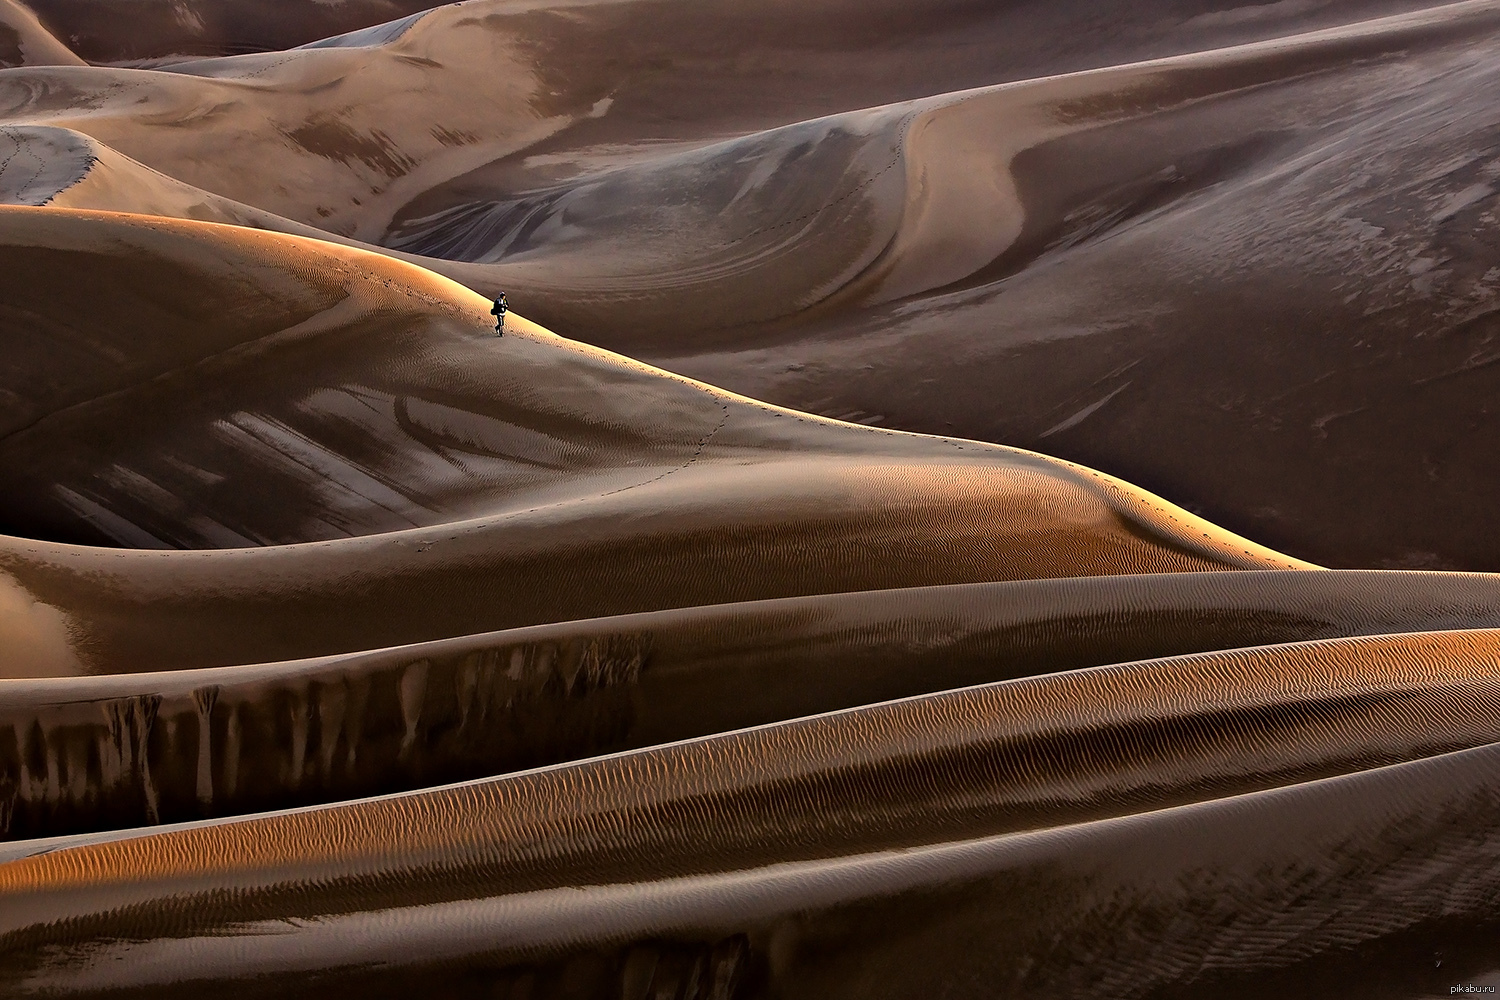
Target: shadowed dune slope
[(946, 768), (858, 208), (102, 31), (24, 42), (243, 738), (1405, 854), (463, 482), (833, 216), (613, 43), (1298, 279), (1013, 263), (348, 649)]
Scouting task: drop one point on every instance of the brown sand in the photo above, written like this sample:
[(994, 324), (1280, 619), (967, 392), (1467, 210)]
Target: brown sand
[(964, 765), (462, 482), (391, 720), (773, 266), (347, 649), (25, 42)]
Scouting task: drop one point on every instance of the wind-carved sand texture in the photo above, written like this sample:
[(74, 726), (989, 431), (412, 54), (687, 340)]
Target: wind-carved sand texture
[(801, 598)]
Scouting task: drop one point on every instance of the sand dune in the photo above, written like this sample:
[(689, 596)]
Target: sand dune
[(546, 471), (108, 32), (977, 238), (875, 924), (274, 735), (47, 165), (886, 777), (24, 42), (349, 649), (758, 228), (326, 122), (1335, 338)]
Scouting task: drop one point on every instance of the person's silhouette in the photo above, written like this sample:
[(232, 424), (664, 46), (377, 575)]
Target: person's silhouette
[(498, 310)]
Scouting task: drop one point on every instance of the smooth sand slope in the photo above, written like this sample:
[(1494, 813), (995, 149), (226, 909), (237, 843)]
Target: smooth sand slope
[(248, 737), (758, 228), (763, 860), (25, 42), (959, 769), (462, 482), (1301, 277), (350, 650), (1006, 263)]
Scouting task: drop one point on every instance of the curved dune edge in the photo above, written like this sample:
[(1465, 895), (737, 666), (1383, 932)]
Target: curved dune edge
[(65, 168), (258, 736), (1023, 754), (894, 201), (659, 492), (929, 201), (876, 921), (223, 125), (1112, 246), (39, 164), (347, 649), (25, 42)]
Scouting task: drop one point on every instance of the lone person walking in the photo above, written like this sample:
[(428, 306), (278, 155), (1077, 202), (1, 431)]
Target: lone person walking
[(498, 310)]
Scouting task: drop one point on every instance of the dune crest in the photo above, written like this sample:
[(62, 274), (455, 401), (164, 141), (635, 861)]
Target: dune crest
[(327, 120), (811, 645), (25, 42), (448, 471), (831, 215), (546, 694), (738, 802)]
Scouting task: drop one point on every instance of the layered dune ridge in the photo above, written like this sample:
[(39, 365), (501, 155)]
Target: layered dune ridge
[(837, 583)]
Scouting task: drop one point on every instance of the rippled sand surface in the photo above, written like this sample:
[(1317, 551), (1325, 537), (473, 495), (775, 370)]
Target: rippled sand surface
[(977, 500)]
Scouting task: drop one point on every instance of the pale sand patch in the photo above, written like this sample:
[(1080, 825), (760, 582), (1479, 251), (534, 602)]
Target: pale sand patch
[(35, 640)]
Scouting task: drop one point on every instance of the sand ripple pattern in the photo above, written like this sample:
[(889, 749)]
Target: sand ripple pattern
[(348, 649)]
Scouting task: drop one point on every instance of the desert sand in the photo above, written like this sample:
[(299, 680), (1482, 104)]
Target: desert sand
[(886, 554)]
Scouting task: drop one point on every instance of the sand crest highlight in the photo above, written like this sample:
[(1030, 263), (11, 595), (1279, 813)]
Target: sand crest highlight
[(856, 571)]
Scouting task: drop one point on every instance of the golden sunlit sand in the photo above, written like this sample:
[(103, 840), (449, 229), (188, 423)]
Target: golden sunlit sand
[(854, 570)]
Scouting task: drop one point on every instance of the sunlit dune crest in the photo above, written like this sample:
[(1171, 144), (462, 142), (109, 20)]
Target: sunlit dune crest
[(25, 42), (853, 569)]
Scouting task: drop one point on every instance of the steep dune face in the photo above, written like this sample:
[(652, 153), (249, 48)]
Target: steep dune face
[(355, 395), (1309, 291), (971, 765), (427, 714), (24, 42), (348, 649), (930, 191), (40, 163), (142, 29), (756, 228), (972, 240)]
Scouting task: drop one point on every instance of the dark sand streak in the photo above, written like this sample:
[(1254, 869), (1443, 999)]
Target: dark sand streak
[(350, 650)]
